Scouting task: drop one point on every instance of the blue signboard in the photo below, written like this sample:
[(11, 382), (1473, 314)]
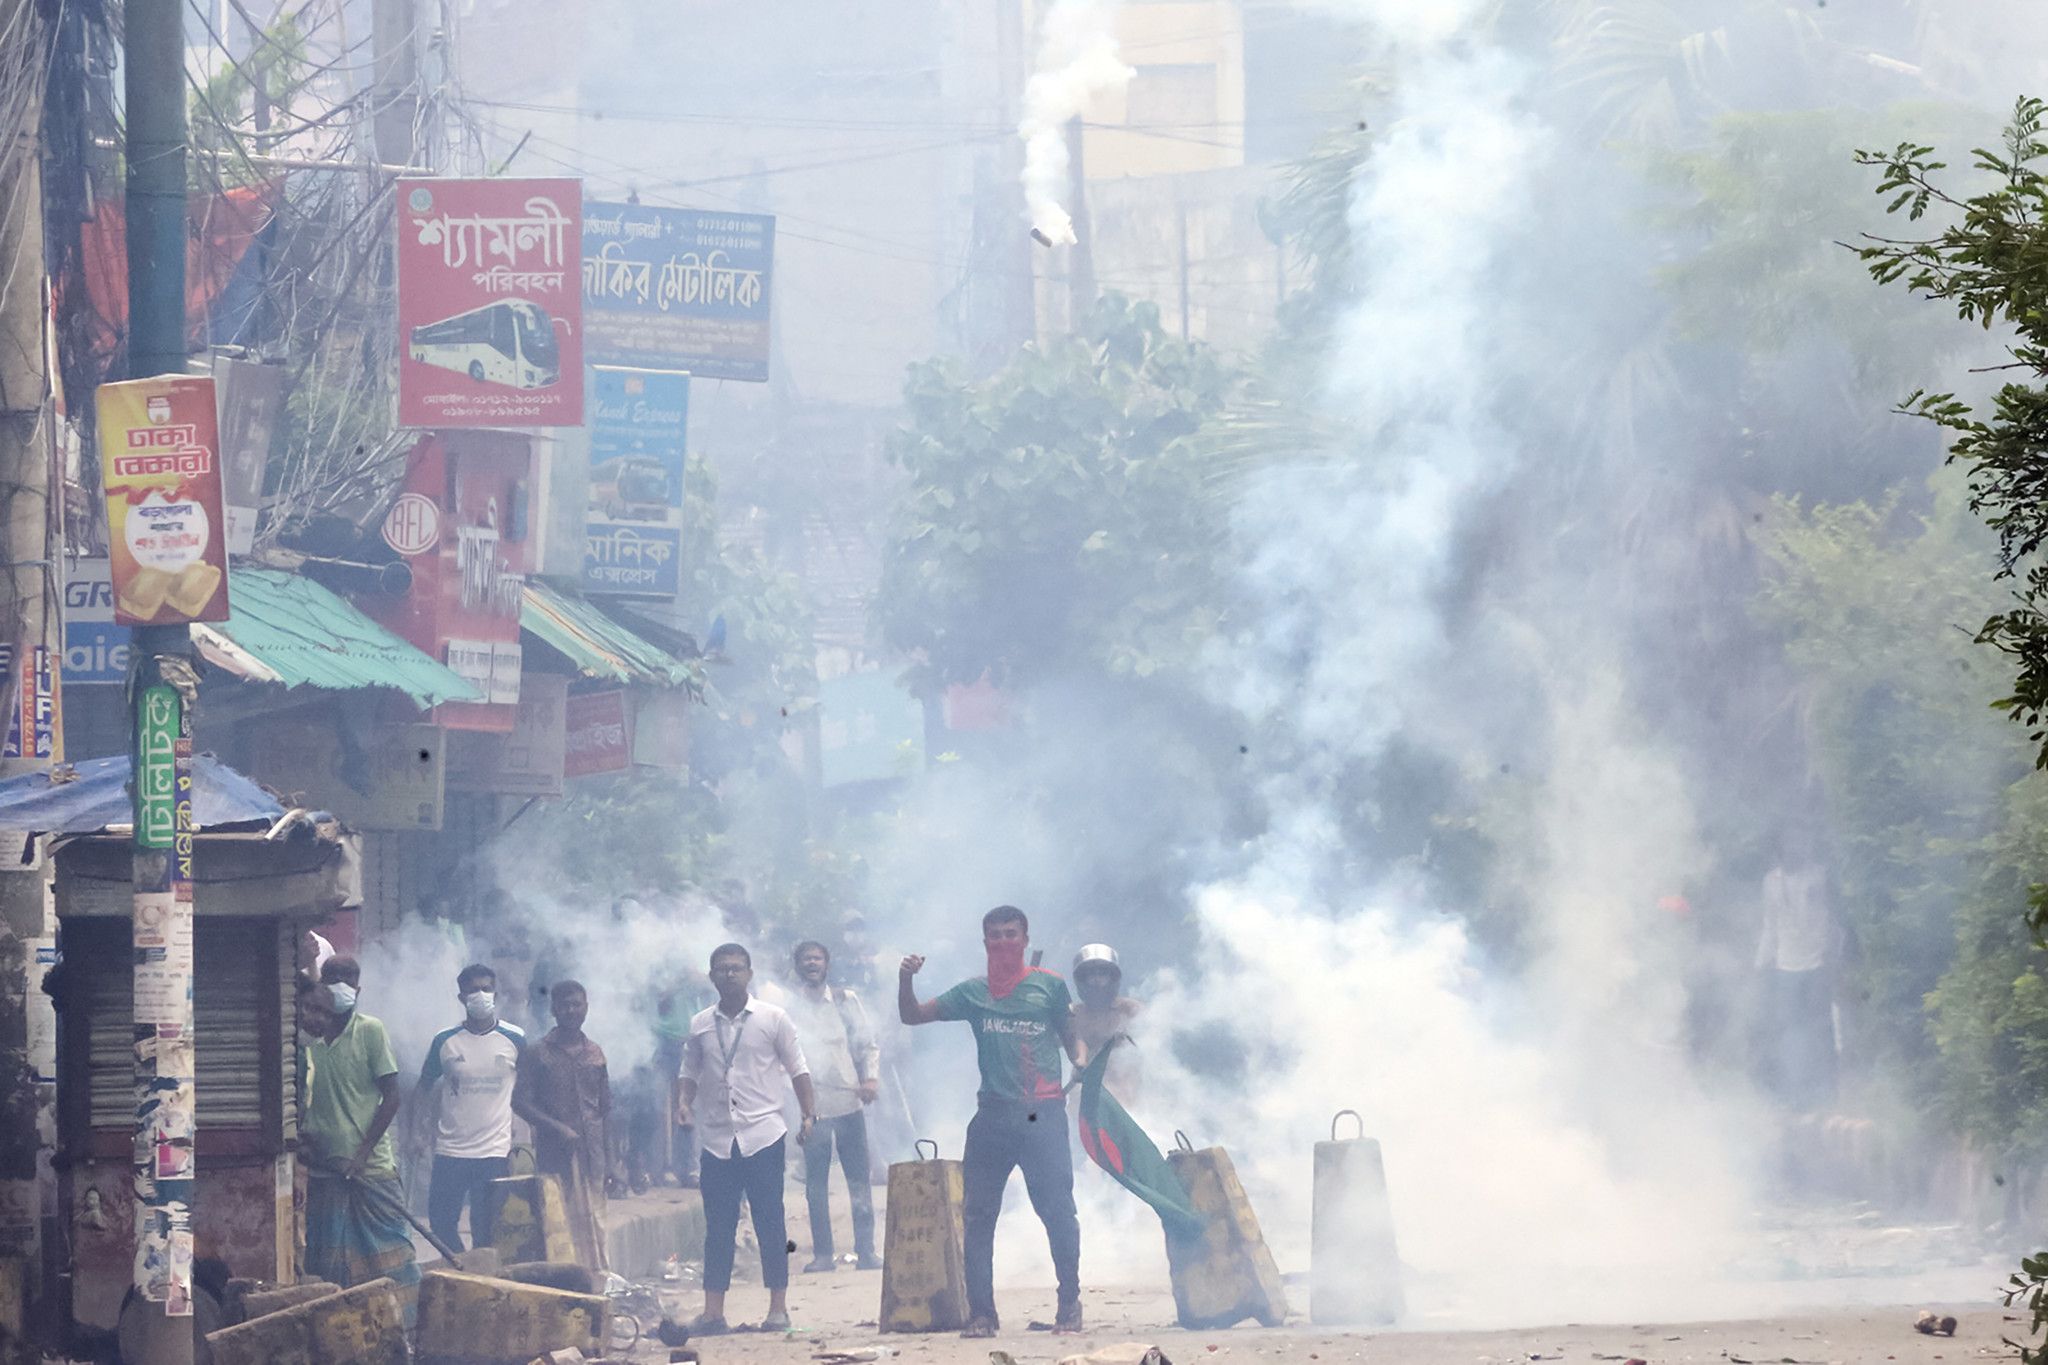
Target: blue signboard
[(680, 289), (95, 649), (633, 531)]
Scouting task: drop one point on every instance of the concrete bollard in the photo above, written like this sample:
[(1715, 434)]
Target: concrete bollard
[(360, 1326), (1354, 1267), (475, 1320), (924, 1250), (1227, 1274), (533, 1220)]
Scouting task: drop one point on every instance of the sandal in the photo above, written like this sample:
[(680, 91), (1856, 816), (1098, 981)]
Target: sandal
[(701, 1326), (979, 1328)]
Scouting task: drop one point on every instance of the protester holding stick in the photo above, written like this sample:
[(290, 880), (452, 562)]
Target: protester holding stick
[(355, 1225)]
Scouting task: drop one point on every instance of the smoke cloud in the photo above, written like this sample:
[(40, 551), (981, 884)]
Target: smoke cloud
[(1077, 63)]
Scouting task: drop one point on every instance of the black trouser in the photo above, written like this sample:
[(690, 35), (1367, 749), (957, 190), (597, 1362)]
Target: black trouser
[(458, 1180), (1005, 1135), (723, 1180), (849, 1133)]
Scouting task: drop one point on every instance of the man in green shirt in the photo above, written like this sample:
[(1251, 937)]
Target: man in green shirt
[(355, 1224), (1022, 1019)]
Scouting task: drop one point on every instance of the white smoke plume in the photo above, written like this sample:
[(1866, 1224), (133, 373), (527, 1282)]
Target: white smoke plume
[(1077, 62), (1544, 1126)]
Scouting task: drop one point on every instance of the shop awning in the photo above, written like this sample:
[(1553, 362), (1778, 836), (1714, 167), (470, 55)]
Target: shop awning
[(597, 645), (287, 629), (87, 797)]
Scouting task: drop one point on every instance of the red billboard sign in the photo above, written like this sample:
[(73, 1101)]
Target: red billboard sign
[(597, 738), (490, 303), (462, 525)]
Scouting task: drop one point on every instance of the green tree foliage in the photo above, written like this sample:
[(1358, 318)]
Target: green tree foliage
[(1868, 601), (1056, 515), (1991, 263)]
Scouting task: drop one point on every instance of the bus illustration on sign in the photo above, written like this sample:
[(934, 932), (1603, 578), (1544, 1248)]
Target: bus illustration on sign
[(511, 342)]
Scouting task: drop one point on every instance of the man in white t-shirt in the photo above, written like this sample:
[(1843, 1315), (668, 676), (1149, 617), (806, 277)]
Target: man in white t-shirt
[(1796, 952), (467, 1083)]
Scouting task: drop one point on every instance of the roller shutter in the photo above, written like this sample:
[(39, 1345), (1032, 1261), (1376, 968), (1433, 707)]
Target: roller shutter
[(236, 969)]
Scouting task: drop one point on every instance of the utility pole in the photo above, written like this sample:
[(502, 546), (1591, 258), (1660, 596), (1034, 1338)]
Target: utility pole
[(394, 79), (25, 578), (1017, 279), (1081, 255), (162, 690)]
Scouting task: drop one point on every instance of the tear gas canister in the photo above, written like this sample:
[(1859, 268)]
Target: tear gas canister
[(1354, 1269), (924, 1246)]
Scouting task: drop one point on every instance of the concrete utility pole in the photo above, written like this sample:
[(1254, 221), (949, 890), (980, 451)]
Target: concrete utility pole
[(25, 576), (395, 78), (162, 689), (1081, 255)]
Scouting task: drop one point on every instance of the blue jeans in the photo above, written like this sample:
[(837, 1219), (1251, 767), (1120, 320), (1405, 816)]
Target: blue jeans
[(1003, 1136), (849, 1133), (722, 1180), (459, 1180)]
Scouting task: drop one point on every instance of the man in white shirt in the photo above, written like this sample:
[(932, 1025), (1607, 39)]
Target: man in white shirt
[(839, 1043), (1796, 952), (736, 1061), (466, 1082)]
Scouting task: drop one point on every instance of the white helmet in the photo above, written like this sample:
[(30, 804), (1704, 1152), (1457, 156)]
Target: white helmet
[(1097, 952)]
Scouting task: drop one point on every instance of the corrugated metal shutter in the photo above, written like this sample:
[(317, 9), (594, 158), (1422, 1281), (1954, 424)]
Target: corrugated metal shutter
[(237, 965)]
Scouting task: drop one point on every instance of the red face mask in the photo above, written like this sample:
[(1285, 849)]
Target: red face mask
[(1005, 966)]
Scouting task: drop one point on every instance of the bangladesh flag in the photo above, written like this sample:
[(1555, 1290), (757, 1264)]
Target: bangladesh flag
[(1115, 1142)]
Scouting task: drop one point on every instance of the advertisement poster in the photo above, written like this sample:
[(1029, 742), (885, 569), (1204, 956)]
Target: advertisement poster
[(633, 532), (251, 401), (160, 468), (490, 316), (684, 289), (40, 712)]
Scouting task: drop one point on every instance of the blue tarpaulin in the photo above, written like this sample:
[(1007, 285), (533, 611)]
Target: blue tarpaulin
[(97, 797)]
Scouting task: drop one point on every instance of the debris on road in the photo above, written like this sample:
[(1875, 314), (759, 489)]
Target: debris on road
[(1125, 1353), (1929, 1323)]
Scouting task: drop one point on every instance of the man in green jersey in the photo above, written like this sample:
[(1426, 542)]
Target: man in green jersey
[(1022, 1019)]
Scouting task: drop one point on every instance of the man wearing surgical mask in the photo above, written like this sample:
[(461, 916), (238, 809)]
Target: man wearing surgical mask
[(466, 1086), (355, 1225)]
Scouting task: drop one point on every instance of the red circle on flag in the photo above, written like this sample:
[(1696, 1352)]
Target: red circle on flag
[(413, 525)]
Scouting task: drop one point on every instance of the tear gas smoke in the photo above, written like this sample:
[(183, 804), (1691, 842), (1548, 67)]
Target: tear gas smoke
[(1546, 1127), (1077, 62)]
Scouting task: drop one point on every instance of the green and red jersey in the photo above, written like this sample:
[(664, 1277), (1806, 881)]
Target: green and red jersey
[(1017, 1036)]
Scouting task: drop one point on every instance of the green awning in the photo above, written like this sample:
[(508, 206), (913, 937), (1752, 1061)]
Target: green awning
[(286, 629), (597, 645)]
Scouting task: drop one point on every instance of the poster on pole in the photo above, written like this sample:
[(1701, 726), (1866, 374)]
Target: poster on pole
[(682, 289), (633, 530), (490, 315), (160, 470)]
